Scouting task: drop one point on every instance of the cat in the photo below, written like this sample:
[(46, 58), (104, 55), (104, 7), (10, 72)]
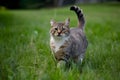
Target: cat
[(68, 44)]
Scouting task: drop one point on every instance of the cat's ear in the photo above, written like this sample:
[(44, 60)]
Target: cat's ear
[(52, 22), (67, 21)]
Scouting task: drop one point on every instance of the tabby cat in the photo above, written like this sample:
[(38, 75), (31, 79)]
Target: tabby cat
[(68, 44)]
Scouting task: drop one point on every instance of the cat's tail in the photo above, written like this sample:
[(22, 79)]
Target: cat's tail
[(81, 20)]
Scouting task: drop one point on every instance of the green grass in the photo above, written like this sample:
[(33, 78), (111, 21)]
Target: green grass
[(25, 52)]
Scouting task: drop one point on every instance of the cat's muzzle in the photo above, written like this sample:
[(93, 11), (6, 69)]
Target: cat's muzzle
[(58, 34)]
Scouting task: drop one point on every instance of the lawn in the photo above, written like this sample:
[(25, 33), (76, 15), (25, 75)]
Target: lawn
[(24, 44)]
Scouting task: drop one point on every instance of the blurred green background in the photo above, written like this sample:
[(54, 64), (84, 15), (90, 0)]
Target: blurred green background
[(35, 4), (24, 39)]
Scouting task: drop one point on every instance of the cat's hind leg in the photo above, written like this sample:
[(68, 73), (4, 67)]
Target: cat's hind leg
[(80, 62)]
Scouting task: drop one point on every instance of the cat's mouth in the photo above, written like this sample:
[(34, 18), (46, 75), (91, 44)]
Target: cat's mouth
[(59, 35)]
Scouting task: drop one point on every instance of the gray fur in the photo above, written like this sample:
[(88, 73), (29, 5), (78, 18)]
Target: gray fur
[(74, 47)]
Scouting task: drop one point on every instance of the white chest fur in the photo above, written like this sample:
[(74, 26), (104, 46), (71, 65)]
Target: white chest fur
[(58, 42)]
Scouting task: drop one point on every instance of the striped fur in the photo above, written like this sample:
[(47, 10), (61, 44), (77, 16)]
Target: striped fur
[(68, 44), (78, 11)]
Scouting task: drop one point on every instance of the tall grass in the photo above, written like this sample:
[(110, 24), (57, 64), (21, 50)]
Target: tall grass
[(25, 52)]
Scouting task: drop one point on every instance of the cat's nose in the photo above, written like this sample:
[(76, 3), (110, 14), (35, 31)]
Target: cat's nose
[(58, 34), (59, 31)]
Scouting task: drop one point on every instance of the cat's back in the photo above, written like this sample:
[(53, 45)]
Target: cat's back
[(77, 34), (78, 39)]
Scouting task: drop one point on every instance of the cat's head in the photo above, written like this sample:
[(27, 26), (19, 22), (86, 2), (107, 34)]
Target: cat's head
[(60, 29)]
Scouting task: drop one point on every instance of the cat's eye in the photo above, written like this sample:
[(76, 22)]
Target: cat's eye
[(56, 29)]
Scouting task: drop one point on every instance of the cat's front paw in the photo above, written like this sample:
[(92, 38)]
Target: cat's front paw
[(61, 64)]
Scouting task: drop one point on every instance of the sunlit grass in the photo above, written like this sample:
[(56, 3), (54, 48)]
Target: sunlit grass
[(25, 52)]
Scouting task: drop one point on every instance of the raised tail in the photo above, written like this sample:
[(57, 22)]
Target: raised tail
[(81, 20)]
